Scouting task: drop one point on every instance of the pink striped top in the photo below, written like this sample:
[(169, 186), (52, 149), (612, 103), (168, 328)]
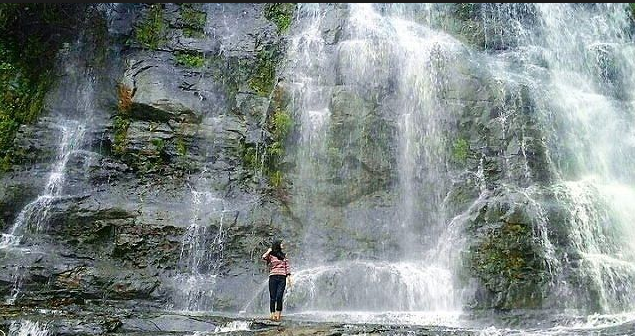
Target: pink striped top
[(277, 266)]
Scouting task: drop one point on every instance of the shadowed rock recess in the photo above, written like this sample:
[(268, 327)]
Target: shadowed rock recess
[(441, 169)]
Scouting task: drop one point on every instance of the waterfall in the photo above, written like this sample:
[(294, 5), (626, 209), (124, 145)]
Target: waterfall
[(380, 95), (32, 218), (201, 255), (374, 91), (577, 61), (69, 118), (467, 167)]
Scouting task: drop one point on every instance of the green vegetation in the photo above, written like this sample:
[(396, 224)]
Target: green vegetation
[(281, 14), (466, 24), (30, 35), (120, 127), (280, 125), (268, 159), (262, 82), (158, 144), (151, 32), (192, 21), (276, 179), (460, 150), (181, 147), (122, 120), (506, 263), (190, 59), (503, 253), (249, 156), (505, 257)]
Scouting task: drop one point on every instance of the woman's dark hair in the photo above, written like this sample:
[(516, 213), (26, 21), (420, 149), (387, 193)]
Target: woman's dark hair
[(276, 250)]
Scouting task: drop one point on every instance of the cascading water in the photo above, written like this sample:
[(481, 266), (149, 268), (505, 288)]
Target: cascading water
[(202, 248), (566, 61), (32, 218), (194, 285), (389, 68), (31, 222), (584, 106), (201, 253), (591, 81)]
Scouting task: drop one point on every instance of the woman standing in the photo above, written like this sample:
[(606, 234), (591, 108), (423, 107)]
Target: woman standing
[(279, 276)]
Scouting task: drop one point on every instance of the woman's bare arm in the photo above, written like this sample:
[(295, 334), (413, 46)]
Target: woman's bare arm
[(264, 256)]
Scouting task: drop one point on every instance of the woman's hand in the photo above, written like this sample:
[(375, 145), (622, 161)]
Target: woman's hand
[(264, 256), (289, 282)]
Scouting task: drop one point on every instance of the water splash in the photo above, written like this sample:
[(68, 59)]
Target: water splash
[(28, 328), (233, 326), (372, 286)]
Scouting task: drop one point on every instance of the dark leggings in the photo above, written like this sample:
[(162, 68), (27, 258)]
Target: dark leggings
[(276, 292)]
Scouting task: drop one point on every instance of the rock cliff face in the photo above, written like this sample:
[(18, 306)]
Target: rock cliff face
[(171, 97), (191, 158)]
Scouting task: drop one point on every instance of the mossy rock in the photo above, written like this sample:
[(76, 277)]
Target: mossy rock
[(281, 14)]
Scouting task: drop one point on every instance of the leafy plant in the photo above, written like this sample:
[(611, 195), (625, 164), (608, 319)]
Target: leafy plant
[(460, 150), (262, 82), (120, 127), (281, 14), (30, 37), (181, 147), (151, 32), (192, 21), (191, 60)]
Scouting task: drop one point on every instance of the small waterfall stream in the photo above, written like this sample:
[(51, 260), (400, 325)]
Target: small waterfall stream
[(70, 121)]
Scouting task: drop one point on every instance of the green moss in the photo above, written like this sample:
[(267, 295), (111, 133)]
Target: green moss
[(276, 179), (275, 150), (27, 55), (506, 259), (158, 144), (193, 33), (460, 150), (281, 124), (281, 14), (268, 158), (190, 60), (181, 147), (262, 82), (250, 156), (506, 253), (192, 21), (465, 23), (151, 32), (120, 127)]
